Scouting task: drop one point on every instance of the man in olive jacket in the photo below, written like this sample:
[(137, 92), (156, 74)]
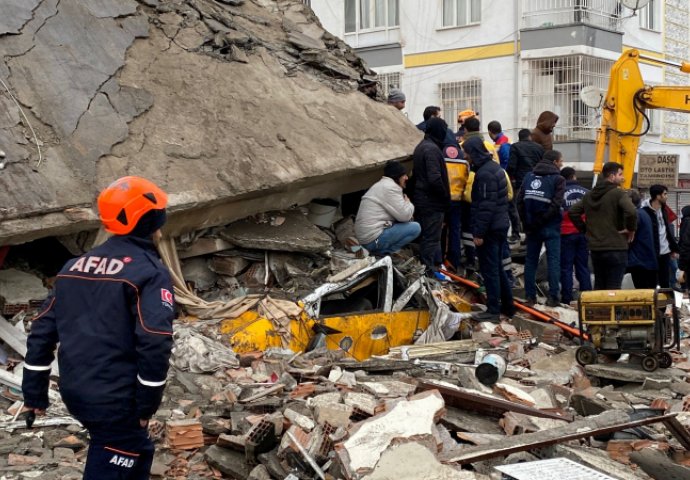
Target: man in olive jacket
[(611, 221)]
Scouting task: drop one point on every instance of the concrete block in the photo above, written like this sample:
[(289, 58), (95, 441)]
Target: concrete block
[(371, 438), (335, 414)]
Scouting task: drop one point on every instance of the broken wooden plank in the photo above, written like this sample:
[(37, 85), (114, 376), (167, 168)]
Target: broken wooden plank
[(658, 466), (679, 431), (607, 422), (479, 402)]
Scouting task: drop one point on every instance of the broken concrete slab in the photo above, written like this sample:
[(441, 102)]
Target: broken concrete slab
[(370, 439), (413, 460), (632, 373), (164, 125), (227, 461), (296, 234), (15, 14), (18, 287)]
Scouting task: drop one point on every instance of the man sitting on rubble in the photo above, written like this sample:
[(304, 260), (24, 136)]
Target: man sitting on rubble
[(111, 311), (384, 221)]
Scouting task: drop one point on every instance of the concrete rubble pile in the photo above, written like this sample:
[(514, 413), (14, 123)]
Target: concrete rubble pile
[(233, 107), (425, 409)]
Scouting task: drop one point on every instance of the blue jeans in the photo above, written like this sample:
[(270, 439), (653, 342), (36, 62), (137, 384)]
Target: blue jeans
[(499, 297), (552, 239), (574, 253), (394, 238)]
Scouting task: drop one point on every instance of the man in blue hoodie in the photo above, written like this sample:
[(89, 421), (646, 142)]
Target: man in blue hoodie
[(642, 260), (111, 311), (540, 204), (490, 228)]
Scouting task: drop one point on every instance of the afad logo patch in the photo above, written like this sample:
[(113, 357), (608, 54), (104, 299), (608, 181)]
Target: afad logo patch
[(167, 298)]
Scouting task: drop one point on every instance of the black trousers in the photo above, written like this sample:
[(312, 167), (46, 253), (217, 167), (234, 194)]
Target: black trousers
[(609, 269), (664, 262), (118, 451), (431, 222)]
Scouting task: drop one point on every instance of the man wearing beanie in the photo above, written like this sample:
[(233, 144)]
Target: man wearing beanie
[(111, 311), (397, 98), (432, 192), (384, 221)]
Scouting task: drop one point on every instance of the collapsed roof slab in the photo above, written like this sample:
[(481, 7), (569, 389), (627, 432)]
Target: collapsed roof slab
[(217, 104)]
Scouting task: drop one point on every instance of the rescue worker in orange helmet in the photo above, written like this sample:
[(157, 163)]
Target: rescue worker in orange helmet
[(111, 311)]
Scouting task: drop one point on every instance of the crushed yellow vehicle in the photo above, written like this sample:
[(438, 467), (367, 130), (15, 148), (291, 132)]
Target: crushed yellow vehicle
[(364, 315)]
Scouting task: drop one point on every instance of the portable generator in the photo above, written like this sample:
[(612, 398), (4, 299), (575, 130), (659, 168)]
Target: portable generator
[(639, 322)]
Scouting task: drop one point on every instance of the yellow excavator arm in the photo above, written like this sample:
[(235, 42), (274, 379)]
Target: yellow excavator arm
[(623, 118)]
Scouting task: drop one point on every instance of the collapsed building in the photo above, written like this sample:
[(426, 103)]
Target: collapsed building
[(296, 354)]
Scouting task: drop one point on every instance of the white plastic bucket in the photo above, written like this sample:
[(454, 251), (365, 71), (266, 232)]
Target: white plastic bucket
[(491, 369), (322, 211)]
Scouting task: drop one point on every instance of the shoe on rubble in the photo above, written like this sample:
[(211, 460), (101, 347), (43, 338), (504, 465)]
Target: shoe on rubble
[(552, 302), (531, 301), (514, 238), (486, 317)]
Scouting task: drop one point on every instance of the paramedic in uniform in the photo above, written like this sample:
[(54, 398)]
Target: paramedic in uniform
[(111, 311)]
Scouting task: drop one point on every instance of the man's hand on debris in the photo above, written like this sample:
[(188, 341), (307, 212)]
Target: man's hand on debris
[(478, 241)]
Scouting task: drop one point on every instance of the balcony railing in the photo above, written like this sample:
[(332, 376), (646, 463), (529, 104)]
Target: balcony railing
[(552, 13)]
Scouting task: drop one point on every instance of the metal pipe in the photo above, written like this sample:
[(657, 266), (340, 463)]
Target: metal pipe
[(312, 463), (682, 66)]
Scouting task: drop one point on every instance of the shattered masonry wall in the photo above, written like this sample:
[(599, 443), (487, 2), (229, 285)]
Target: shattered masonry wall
[(232, 106)]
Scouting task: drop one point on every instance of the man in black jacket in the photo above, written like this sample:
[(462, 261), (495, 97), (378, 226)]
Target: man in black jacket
[(431, 192), (490, 228), (665, 243), (111, 311), (524, 155), (540, 203)]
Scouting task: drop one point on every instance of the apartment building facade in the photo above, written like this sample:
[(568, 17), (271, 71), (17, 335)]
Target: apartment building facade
[(512, 59)]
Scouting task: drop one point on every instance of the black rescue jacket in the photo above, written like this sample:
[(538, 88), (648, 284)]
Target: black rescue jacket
[(524, 155), (111, 311), (684, 241), (489, 191), (431, 188)]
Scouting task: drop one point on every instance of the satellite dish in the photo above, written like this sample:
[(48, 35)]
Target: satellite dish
[(634, 4), (592, 96)]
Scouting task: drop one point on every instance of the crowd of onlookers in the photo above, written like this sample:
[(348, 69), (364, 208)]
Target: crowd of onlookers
[(466, 193)]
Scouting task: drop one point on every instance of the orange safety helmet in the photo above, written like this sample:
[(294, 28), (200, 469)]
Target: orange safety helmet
[(122, 203), (465, 114)]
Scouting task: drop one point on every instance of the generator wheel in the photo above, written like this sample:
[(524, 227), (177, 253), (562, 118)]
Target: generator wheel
[(665, 359), (586, 355), (650, 363)]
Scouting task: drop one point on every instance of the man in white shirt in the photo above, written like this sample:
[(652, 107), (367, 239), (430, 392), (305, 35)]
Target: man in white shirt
[(664, 242)]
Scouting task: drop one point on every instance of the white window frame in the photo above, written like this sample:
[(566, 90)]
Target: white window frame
[(650, 17), (451, 103), (452, 9), (388, 81), (374, 9)]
